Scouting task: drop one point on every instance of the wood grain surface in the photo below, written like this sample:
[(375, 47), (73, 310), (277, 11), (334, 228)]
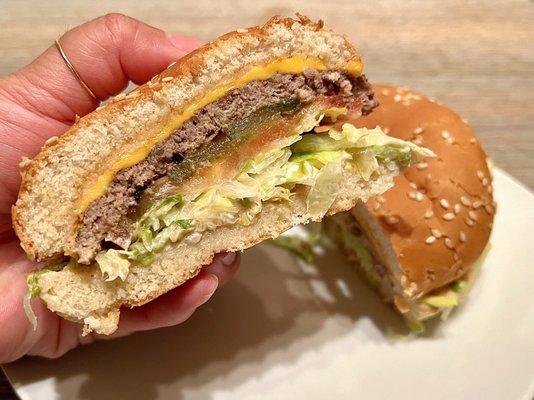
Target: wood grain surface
[(476, 57)]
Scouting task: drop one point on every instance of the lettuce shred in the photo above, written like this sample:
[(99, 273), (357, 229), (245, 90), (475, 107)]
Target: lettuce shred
[(28, 309), (302, 245), (112, 265), (443, 301), (296, 245), (34, 290)]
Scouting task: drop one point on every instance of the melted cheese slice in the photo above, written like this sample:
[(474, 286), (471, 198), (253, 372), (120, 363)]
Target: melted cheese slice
[(292, 65)]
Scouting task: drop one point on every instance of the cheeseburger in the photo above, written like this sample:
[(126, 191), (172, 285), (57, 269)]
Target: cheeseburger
[(417, 244), (231, 145)]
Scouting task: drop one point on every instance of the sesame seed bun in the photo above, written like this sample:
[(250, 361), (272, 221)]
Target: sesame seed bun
[(431, 227)]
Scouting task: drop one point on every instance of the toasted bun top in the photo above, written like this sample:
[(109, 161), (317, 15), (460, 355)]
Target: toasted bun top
[(46, 217), (439, 215)]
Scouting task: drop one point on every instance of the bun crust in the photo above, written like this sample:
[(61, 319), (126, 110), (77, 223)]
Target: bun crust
[(438, 217), (45, 216)]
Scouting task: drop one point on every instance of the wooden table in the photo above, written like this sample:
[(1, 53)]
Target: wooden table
[(477, 58)]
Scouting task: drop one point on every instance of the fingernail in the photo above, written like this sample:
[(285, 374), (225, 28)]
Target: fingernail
[(184, 43), (211, 285), (228, 259)]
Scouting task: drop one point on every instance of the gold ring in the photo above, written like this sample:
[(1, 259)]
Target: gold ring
[(73, 70)]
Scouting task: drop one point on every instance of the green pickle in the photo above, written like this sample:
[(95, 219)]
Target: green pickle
[(235, 134)]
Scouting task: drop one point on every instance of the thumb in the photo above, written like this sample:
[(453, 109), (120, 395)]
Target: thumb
[(107, 53)]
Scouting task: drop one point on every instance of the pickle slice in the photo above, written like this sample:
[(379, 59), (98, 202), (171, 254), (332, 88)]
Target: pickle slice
[(235, 134)]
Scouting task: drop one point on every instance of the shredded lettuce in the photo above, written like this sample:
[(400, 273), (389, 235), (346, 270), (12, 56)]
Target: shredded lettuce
[(34, 290), (302, 245), (316, 160), (28, 310), (112, 264), (372, 142), (359, 249), (32, 279), (298, 246), (416, 327), (444, 301), (460, 286), (326, 188)]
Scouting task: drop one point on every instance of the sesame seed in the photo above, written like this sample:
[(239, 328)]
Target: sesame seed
[(412, 195), (463, 237), (417, 141), (448, 217), (76, 117), (480, 174), (436, 233), (418, 130), (477, 204), (455, 256), (391, 220), (430, 240), (449, 140), (171, 64), (472, 215), (489, 209), (444, 203), (469, 222), (380, 199), (413, 288), (376, 207), (449, 243), (413, 185), (419, 196), (421, 166), (429, 214), (457, 208), (490, 189), (385, 92), (465, 201), (51, 140), (242, 30), (485, 182), (397, 98), (445, 134), (386, 130), (167, 79), (472, 140)]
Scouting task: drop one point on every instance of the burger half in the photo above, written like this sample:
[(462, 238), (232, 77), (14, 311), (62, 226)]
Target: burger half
[(418, 243), (231, 145)]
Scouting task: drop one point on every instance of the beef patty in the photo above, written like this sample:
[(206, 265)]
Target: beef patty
[(105, 222)]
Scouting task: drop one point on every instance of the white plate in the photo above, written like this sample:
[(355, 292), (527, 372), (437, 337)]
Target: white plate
[(285, 330)]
